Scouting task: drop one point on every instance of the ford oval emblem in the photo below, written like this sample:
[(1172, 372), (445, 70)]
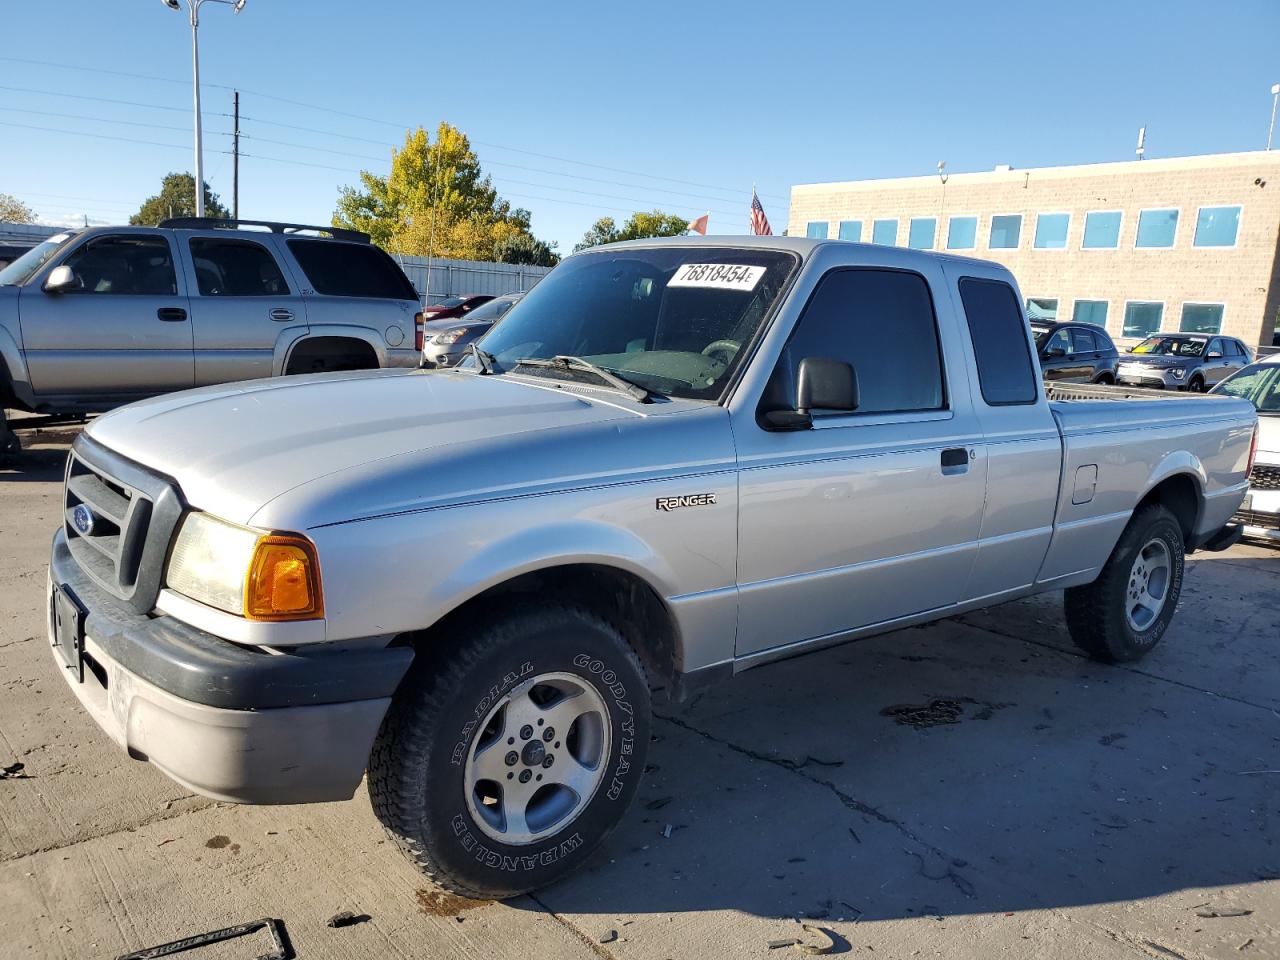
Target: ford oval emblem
[(82, 519)]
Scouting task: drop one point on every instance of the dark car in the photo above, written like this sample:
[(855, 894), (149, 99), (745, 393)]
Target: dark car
[(453, 307), (1075, 352), (1182, 361), (10, 252), (446, 341)]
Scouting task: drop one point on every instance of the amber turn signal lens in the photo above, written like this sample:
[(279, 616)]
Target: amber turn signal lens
[(283, 581)]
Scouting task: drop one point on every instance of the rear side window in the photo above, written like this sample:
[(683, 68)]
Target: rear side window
[(999, 336), (351, 270), (881, 322), (1082, 342), (235, 268)]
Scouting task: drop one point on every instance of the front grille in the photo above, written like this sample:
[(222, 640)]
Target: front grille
[(1256, 518), (1264, 477), (118, 518)]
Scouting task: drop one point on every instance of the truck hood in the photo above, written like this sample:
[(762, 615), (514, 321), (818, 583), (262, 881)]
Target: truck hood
[(235, 448)]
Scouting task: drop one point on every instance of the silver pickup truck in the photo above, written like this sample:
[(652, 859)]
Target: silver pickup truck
[(92, 319), (671, 462)]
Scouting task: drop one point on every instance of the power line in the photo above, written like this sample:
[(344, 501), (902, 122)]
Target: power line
[(82, 96), (96, 136), (81, 116)]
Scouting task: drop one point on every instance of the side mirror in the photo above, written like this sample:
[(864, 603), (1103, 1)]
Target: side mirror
[(821, 384), (1052, 353), (1214, 355), (61, 279)]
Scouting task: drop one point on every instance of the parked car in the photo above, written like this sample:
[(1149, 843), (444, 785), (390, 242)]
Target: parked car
[(445, 342), (454, 307), (1075, 352), (676, 460), (1182, 361), (92, 319), (1259, 383)]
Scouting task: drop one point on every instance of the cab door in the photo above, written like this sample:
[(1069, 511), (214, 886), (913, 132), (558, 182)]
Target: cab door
[(872, 515), (242, 305), (122, 332)]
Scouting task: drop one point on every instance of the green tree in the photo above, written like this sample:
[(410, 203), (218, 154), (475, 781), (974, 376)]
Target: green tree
[(525, 249), (638, 226), (177, 198), (13, 210), (435, 200)]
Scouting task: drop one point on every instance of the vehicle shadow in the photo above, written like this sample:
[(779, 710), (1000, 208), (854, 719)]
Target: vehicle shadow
[(943, 770), (36, 465)]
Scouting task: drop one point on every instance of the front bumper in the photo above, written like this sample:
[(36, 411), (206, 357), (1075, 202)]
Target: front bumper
[(229, 722), (1151, 377)]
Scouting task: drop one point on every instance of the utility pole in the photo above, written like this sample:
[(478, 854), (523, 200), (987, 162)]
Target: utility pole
[(235, 160), (1275, 99)]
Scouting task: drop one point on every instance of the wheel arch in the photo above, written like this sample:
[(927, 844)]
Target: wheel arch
[(331, 337), (1180, 490)]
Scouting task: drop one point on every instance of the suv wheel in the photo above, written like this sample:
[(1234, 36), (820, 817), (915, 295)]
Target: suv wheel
[(1196, 385), (1122, 615), (513, 750)]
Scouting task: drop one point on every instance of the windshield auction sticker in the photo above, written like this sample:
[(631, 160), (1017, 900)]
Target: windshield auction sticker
[(717, 276)]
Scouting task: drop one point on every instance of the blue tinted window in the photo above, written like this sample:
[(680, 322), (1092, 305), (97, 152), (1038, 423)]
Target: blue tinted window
[(1090, 311), (1042, 308), (1006, 231), (1102, 230), (1217, 226), (1157, 228), (884, 232), (962, 233), (1201, 318), (1051, 231), (1141, 319), (999, 336), (816, 230), (922, 232), (851, 230)]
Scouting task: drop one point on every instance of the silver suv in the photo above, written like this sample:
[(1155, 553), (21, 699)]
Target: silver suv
[(93, 319)]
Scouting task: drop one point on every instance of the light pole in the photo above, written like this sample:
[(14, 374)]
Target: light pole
[(1275, 98), (194, 7)]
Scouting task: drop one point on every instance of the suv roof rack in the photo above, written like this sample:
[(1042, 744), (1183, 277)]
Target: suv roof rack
[(219, 223)]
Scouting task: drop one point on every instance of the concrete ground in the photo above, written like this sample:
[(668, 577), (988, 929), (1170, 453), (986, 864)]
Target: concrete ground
[(1069, 810)]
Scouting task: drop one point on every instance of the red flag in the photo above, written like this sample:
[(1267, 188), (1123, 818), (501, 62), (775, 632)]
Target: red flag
[(759, 222), (700, 225)]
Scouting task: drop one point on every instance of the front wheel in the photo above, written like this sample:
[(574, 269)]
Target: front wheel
[(514, 749), (1196, 385), (1122, 615)]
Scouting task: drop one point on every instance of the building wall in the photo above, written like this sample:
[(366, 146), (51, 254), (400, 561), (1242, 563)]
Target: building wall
[(1245, 278)]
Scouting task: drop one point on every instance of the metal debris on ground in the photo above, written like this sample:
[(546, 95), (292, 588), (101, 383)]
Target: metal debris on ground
[(666, 831), (275, 930), (1215, 914), (347, 919), (14, 772), (785, 942), (822, 943), (609, 937)]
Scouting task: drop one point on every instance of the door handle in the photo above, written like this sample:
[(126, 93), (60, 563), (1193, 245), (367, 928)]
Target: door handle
[(955, 460), (281, 314), (172, 314)]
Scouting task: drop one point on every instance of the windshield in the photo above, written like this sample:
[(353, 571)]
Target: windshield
[(1259, 383), (491, 310), (1171, 346), (20, 271), (448, 303), (674, 320)]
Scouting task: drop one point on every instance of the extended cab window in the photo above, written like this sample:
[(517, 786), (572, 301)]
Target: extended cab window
[(125, 264), (881, 322), (235, 268), (999, 336), (337, 269)]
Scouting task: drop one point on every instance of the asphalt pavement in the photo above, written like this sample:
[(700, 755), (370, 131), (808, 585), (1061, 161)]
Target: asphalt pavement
[(970, 789)]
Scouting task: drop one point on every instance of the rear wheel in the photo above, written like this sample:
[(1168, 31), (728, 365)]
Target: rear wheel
[(10, 445), (1105, 379), (514, 749), (1122, 615)]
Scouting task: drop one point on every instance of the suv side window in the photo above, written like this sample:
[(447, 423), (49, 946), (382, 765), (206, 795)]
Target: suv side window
[(999, 335), (134, 264), (882, 322), (1215, 346), (1103, 340), (1082, 342), (337, 269), (235, 268)]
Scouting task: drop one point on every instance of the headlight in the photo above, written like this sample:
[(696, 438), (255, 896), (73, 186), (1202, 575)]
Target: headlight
[(1178, 372), (251, 573), (448, 337)]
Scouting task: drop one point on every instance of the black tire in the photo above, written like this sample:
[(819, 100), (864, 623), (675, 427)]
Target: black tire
[(1106, 380), (10, 445), (1096, 613), (1196, 385), (417, 770)]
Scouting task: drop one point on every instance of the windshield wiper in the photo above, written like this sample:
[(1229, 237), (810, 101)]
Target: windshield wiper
[(484, 359), (617, 381)]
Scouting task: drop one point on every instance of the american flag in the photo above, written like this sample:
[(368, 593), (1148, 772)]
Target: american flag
[(759, 222)]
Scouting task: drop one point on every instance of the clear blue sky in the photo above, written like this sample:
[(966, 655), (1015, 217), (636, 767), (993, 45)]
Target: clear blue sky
[(715, 94)]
